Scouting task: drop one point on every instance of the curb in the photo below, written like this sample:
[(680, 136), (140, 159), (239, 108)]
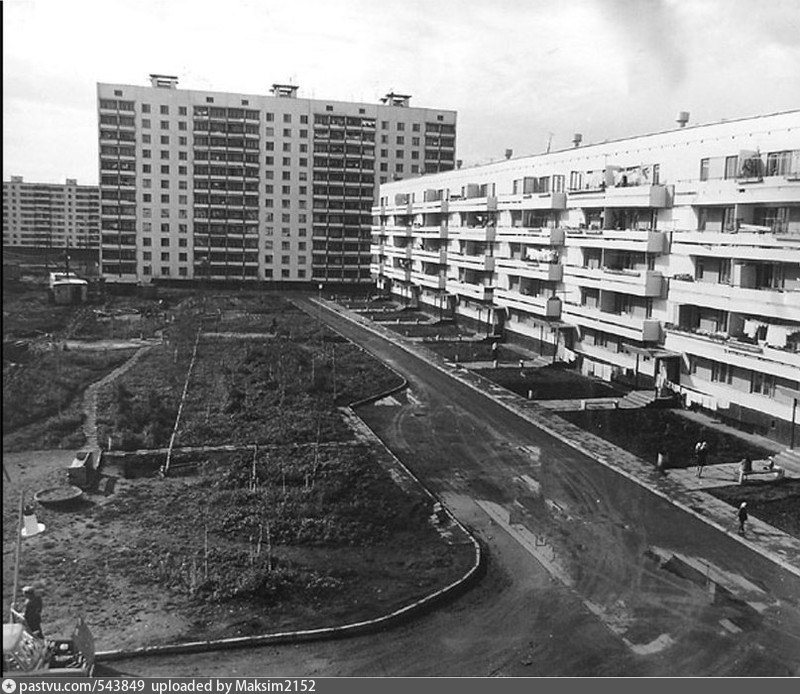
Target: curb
[(767, 554), (399, 616)]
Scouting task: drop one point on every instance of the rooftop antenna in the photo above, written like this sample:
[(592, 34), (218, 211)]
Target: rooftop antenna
[(549, 142)]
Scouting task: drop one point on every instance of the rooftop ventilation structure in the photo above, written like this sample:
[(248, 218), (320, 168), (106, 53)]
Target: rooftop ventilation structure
[(682, 118), (577, 138), (392, 99), (284, 91), (164, 81), (509, 153)]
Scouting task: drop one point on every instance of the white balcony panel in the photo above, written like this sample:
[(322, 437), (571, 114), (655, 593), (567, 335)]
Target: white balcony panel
[(770, 303), (530, 235), (769, 360), (533, 201), (643, 241), (548, 272), (423, 279), (767, 247), (623, 324), (648, 283), (540, 306), (481, 263), (473, 291)]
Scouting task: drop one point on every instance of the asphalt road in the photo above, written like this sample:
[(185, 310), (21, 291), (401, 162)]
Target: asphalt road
[(576, 583)]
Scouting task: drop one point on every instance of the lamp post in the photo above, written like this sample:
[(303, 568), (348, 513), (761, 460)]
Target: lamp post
[(794, 418)]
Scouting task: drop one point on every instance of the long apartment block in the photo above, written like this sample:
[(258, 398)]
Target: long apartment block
[(667, 261), (239, 187), (50, 215)]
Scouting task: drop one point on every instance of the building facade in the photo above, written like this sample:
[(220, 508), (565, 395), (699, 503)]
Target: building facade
[(666, 261), (237, 187), (50, 215)]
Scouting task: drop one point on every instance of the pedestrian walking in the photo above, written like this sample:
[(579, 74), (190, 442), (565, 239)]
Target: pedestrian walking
[(742, 515), (701, 456)]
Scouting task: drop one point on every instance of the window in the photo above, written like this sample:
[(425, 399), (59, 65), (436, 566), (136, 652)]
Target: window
[(147, 182), (287, 146), (269, 117), (209, 99), (304, 119), (329, 108), (285, 260), (165, 183), (165, 154), (286, 175), (731, 166), (384, 167), (286, 246), (268, 202), (181, 170), (117, 92), (415, 127), (165, 139), (182, 228), (398, 168), (399, 153), (146, 197), (384, 152), (164, 213), (304, 148), (400, 140), (165, 125), (304, 133), (183, 200), (415, 141), (165, 199), (145, 108), (147, 255), (145, 122), (704, 164), (287, 117), (145, 139), (165, 257), (414, 168), (165, 227), (269, 146), (181, 185), (181, 110), (286, 190), (721, 373), (384, 139), (287, 132), (165, 243), (164, 110), (763, 384), (384, 125), (146, 168), (268, 259), (147, 242)]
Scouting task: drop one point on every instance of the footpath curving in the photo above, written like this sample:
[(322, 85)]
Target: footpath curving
[(773, 544)]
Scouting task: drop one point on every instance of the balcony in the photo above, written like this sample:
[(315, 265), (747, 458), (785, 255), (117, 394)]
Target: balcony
[(430, 281), (771, 303), (431, 256), (431, 206), (485, 204), (438, 231), (623, 324), (541, 306), (654, 196), (533, 201), (537, 236), (649, 283), (403, 252), (480, 292), (478, 263), (640, 240), (395, 232), (486, 234), (726, 350), (397, 273), (397, 208), (547, 272), (730, 191), (766, 246)]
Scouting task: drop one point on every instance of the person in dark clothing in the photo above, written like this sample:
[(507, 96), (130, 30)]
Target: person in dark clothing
[(742, 514), (32, 611)]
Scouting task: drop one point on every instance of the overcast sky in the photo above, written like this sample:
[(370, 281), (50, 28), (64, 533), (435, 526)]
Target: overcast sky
[(517, 71)]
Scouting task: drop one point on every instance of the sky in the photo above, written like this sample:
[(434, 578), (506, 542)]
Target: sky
[(520, 73)]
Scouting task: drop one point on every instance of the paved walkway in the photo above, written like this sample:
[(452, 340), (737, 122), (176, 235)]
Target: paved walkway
[(681, 487), (90, 398)]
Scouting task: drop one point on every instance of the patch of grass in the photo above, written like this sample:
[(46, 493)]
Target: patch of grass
[(665, 431), (49, 384), (549, 383), (774, 502)]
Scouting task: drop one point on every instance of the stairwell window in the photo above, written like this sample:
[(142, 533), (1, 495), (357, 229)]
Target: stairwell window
[(704, 165)]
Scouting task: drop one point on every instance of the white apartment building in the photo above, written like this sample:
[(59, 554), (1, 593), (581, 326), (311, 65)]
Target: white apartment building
[(669, 260), (50, 215), (241, 187)]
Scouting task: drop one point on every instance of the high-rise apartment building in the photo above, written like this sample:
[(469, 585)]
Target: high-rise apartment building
[(670, 260), (50, 215), (222, 186)]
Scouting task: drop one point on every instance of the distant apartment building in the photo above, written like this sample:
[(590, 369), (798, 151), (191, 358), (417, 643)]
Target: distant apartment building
[(50, 215), (239, 187), (666, 261)]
